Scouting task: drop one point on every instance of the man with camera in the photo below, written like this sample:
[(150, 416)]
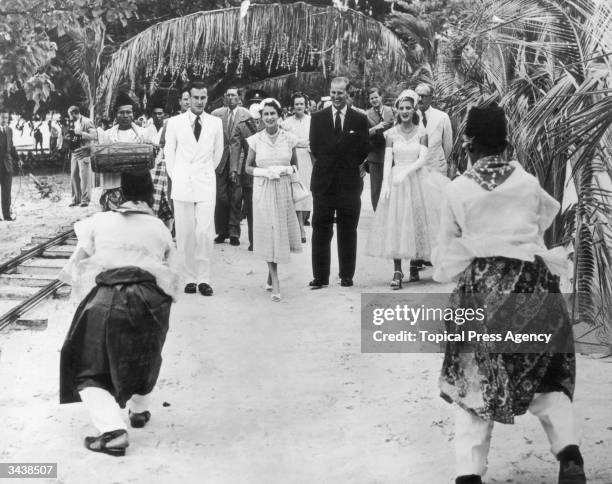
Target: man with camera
[(81, 132)]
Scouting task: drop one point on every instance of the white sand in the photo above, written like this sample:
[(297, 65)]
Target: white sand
[(264, 392)]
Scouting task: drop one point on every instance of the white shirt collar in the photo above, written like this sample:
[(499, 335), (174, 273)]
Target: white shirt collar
[(342, 111), (193, 116)]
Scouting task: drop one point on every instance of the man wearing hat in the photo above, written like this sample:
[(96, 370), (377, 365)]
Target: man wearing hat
[(229, 194), (239, 149), (125, 131), (81, 132)]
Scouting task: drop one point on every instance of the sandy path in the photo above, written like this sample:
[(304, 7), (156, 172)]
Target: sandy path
[(264, 392)]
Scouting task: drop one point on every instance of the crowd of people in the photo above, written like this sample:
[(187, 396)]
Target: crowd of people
[(282, 173)]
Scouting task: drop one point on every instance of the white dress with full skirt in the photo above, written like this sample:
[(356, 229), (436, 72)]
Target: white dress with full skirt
[(276, 231), (405, 224)]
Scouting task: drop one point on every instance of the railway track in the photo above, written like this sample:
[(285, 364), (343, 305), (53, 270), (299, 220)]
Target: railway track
[(31, 277)]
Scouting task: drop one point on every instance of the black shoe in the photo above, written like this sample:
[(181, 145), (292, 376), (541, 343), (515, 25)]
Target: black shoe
[(571, 466), (235, 241), (100, 443), (84, 204), (220, 239), (74, 204), (9, 219), (318, 283), (346, 282), (191, 288), (471, 479), (250, 249), (205, 289), (138, 420)]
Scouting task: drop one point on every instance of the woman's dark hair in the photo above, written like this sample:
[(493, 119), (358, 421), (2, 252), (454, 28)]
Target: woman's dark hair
[(298, 95), (415, 116), (273, 104), (487, 127), (137, 187), (373, 90)]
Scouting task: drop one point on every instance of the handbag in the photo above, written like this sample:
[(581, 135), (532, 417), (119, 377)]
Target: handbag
[(298, 190)]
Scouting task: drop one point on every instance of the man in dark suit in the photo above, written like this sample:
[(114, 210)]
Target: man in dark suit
[(8, 153), (380, 118), (229, 193), (239, 148), (339, 144)]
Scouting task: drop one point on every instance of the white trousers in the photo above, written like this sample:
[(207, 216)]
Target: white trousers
[(105, 412), (473, 434), (195, 231)]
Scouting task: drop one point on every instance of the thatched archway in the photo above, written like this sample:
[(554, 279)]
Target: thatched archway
[(278, 37)]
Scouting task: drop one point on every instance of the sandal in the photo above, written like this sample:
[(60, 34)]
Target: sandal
[(101, 443), (139, 420), (397, 283)]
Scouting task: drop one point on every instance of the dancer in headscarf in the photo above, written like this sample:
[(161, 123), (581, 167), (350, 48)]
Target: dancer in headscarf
[(123, 269), (492, 224)]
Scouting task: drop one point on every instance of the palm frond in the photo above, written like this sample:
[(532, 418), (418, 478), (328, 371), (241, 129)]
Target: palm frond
[(288, 37)]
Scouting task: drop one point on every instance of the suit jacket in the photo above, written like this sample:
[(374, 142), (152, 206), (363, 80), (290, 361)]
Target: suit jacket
[(8, 153), (337, 158), (439, 139), (240, 115), (239, 148), (191, 164), (377, 140)]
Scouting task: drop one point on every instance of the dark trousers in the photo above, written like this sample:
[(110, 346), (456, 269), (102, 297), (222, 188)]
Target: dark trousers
[(347, 212), (247, 196), (228, 205), (6, 181), (376, 179)]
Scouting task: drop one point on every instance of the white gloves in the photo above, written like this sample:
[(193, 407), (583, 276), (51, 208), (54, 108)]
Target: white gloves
[(385, 191), (273, 172)]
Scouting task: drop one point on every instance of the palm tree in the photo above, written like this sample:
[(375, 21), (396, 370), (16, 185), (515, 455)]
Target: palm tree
[(84, 49), (548, 64)]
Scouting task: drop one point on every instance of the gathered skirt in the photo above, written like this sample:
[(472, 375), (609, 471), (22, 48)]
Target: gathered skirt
[(276, 232), (405, 224), (517, 295), (116, 337)]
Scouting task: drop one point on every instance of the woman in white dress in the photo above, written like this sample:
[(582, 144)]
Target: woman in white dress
[(299, 125), (271, 160), (406, 222)]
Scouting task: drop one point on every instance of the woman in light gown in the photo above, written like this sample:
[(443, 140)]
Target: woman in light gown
[(299, 125), (406, 222), (271, 161)]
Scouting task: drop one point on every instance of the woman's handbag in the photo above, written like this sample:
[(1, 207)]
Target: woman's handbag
[(298, 190)]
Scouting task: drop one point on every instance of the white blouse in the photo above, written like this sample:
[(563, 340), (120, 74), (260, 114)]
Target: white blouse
[(508, 221), (109, 240)]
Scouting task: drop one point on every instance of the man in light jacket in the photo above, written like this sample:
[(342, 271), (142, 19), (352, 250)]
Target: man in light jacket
[(193, 150), (439, 131)]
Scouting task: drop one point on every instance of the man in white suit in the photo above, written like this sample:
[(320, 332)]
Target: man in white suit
[(439, 131), (193, 150)]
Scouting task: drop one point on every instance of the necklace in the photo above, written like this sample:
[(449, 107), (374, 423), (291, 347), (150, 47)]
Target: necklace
[(273, 136)]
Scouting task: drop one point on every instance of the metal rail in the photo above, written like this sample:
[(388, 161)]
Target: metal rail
[(19, 310), (35, 251)]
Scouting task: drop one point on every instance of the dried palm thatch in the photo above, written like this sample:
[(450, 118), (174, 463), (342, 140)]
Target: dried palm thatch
[(282, 87), (549, 64), (294, 36)]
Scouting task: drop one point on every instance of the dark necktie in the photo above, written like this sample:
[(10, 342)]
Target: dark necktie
[(338, 123), (197, 128), (230, 122), (424, 119)]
